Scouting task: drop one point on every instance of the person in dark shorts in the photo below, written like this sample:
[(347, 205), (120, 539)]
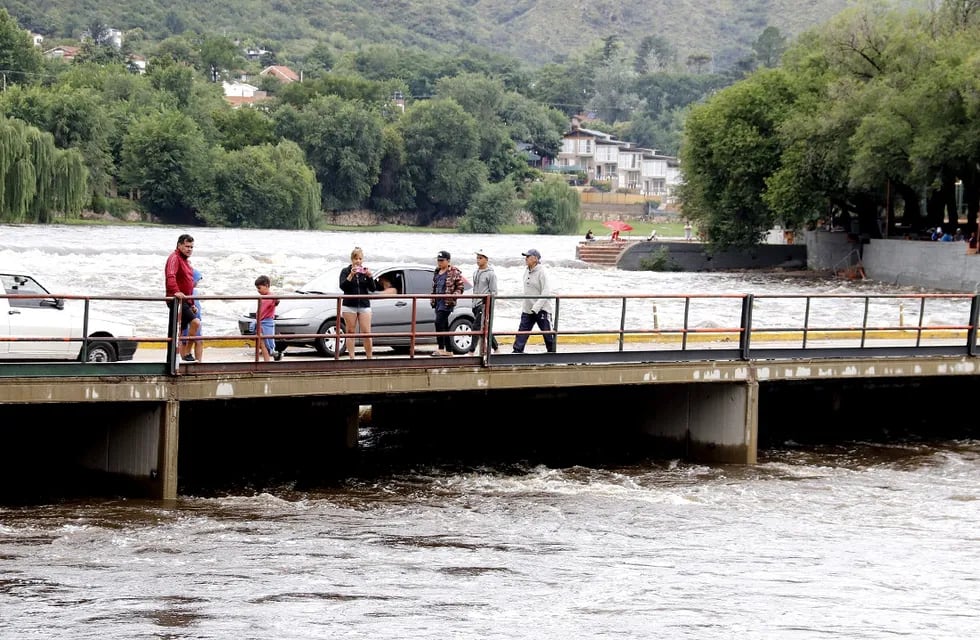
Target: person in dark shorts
[(179, 285)]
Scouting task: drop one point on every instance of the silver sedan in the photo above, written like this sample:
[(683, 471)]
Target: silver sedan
[(389, 314)]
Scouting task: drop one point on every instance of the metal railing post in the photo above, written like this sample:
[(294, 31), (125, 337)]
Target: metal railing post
[(173, 333), (971, 333), (744, 341), (84, 357)]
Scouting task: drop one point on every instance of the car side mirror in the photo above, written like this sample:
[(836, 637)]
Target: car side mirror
[(57, 303)]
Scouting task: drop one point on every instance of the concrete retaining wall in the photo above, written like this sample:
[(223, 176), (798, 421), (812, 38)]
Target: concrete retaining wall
[(691, 256), (929, 265)]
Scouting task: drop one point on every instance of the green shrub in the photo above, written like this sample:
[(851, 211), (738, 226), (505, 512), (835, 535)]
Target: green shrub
[(659, 260)]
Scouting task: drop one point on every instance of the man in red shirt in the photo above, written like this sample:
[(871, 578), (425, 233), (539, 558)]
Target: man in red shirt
[(179, 280)]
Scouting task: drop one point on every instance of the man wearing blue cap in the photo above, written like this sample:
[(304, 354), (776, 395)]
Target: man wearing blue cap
[(537, 310)]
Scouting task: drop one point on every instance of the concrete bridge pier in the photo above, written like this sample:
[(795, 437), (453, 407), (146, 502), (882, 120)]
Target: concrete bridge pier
[(706, 422), (134, 445)]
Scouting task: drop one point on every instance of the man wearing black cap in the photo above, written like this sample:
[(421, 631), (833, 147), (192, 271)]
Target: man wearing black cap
[(446, 279), (535, 311)]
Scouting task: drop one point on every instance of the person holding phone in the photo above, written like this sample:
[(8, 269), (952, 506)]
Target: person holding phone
[(357, 280)]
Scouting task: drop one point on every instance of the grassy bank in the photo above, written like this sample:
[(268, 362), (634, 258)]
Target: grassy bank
[(640, 229)]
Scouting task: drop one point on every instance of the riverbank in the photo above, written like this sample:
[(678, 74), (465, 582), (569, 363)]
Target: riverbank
[(368, 221)]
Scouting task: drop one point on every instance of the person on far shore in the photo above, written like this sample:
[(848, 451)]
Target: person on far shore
[(356, 280), (484, 283), (179, 285), (446, 279), (589, 236), (688, 231), (535, 311)]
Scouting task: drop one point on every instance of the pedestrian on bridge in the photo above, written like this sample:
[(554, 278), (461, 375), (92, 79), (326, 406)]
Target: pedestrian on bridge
[(484, 283), (537, 310), (357, 280), (446, 279), (179, 284)]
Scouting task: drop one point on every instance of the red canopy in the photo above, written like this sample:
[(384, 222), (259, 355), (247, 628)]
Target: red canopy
[(617, 225)]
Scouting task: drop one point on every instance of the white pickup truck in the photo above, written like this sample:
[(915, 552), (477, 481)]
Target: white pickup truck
[(60, 323)]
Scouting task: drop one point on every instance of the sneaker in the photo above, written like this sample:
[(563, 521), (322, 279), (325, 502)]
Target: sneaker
[(189, 358), (277, 355)]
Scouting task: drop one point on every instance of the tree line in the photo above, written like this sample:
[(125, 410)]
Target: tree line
[(168, 143), (872, 119)]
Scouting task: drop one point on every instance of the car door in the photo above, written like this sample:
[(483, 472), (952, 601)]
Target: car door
[(4, 327), (388, 314), (38, 317), (419, 282)]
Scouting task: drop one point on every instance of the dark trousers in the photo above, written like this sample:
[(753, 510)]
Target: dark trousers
[(477, 326), (442, 324), (528, 320)]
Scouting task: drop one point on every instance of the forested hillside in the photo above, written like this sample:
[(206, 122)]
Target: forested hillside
[(537, 31)]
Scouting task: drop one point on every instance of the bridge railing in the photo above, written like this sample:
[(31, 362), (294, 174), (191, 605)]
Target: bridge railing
[(587, 327)]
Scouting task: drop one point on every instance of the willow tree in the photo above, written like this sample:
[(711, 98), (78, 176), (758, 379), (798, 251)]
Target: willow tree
[(39, 180)]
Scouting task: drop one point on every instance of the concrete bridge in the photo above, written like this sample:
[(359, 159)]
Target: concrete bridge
[(703, 394)]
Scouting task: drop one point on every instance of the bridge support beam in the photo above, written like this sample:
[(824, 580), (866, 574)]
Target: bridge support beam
[(166, 481), (133, 446), (707, 422)]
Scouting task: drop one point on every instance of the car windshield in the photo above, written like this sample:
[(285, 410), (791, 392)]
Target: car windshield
[(328, 282)]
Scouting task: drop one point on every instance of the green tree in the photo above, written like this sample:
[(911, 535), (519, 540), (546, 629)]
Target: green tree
[(264, 186), (217, 55), (394, 190), (731, 146), (38, 179), (769, 47), (490, 209), (555, 206), (20, 60), (177, 79), (175, 49), (567, 87), (76, 117), (442, 144), (343, 143), (166, 161), (244, 127)]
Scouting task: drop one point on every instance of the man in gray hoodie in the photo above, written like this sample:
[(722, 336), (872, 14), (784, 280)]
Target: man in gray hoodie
[(536, 311), (484, 283)]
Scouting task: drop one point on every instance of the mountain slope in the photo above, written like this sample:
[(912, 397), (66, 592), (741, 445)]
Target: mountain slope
[(537, 31)]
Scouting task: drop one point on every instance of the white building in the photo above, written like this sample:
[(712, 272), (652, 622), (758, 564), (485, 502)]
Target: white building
[(624, 165)]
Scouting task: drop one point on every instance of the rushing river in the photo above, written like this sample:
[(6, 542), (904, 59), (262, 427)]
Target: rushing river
[(841, 540)]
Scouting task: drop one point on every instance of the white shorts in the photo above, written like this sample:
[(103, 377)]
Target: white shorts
[(356, 310)]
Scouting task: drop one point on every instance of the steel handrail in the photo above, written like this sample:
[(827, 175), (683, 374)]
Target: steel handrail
[(866, 327)]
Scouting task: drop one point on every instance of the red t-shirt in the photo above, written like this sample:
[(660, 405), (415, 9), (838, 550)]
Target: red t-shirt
[(179, 276), (267, 308)]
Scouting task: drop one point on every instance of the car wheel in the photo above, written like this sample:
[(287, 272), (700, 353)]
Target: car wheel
[(461, 342), (326, 345), (100, 352), (281, 345)]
